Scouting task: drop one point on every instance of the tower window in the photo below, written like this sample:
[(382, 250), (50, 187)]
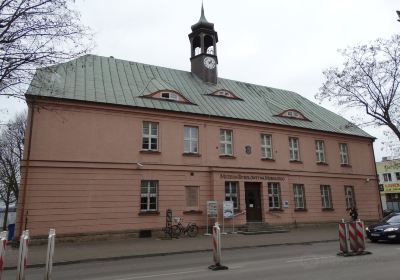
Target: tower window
[(196, 46), (210, 50)]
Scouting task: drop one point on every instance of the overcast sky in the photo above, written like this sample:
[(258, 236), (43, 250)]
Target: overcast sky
[(284, 44)]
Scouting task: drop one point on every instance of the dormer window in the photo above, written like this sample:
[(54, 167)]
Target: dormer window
[(169, 95), (224, 93), (293, 114)]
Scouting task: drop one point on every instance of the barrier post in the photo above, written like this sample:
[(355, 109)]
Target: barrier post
[(3, 245), (216, 245), (22, 255), (49, 256), (360, 235), (343, 238)]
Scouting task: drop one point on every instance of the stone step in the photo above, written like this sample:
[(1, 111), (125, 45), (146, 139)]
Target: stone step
[(261, 228)]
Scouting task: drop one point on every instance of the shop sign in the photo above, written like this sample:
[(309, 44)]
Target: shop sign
[(392, 187), (228, 209), (212, 209), (251, 177)]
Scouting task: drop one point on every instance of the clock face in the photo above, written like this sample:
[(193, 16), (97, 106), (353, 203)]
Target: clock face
[(209, 62)]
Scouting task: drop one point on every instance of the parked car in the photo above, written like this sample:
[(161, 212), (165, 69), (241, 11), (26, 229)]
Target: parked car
[(387, 229)]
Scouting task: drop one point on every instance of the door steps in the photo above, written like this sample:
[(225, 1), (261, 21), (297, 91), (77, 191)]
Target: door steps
[(252, 228)]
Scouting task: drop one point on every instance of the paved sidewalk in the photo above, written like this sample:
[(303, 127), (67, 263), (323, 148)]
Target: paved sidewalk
[(66, 253)]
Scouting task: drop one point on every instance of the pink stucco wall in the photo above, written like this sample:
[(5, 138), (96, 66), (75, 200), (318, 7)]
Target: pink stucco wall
[(83, 175)]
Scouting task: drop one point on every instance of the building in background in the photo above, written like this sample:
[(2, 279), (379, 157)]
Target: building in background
[(389, 183), (112, 144)]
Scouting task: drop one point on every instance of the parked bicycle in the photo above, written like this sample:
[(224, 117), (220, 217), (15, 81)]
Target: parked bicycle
[(190, 230)]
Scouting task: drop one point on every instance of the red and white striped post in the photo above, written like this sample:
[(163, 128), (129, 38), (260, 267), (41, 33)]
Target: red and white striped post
[(353, 237), (216, 245), (360, 235), (23, 255), (3, 245), (343, 240), (50, 253)]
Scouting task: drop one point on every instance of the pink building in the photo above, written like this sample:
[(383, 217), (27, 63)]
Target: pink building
[(112, 144)]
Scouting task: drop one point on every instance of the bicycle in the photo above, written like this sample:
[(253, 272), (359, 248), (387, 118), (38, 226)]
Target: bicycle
[(190, 230)]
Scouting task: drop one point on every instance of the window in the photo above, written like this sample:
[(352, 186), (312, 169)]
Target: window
[(292, 114), (191, 139), (150, 136), (266, 146), (294, 149), (320, 150), (192, 196), (148, 196), (225, 140), (231, 193), (274, 195), (169, 95), (326, 197), (344, 158), (299, 197), (387, 177), (398, 176), (349, 193)]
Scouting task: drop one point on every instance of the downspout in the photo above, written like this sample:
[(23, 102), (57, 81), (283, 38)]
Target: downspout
[(24, 189)]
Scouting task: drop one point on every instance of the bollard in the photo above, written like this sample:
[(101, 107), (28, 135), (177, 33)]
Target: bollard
[(49, 256), (343, 241), (3, 238), (352, 238), (216, 245), (360, 235), (22, 255)]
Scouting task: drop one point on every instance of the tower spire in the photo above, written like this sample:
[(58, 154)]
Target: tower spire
[(203, 22)]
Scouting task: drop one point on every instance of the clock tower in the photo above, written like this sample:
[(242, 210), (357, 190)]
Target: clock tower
[(203, 48)]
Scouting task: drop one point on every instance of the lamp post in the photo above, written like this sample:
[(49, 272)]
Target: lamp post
[(398, 13)]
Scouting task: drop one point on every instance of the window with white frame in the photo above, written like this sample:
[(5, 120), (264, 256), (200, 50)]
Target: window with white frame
[(294, 149), (274, 195), (150, 136), (169, 95), (225, 142), (320, 150), (387, 177), (148, 195), (191, 139), (344, 157), (192, 196), (299, 196), (266, 146), (231, 193), (350, 200), (326, 196), (398, 176)]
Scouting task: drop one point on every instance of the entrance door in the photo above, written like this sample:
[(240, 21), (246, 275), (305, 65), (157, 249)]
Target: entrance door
[(253, 202)]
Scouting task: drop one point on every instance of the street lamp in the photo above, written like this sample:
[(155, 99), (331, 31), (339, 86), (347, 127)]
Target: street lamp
[(398, 13)]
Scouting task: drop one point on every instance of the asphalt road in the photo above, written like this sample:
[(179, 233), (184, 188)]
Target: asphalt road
[(314, 261)]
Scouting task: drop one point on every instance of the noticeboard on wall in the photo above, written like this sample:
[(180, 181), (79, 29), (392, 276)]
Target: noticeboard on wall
[(212, 209)]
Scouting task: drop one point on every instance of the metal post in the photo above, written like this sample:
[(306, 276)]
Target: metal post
[(23, 255), (216, 244), (50, 253), (3, 236)]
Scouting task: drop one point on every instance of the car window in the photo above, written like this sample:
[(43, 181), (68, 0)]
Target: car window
[(394, 219)]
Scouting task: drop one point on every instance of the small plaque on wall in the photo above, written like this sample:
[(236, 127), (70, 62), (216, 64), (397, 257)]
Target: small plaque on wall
[(247, 149)]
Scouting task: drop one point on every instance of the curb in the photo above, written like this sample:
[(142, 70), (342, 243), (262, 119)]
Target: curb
[(40, 265)]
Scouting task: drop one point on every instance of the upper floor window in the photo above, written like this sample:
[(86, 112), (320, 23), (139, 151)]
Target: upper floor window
[(387, 177), (344, 157), (320, 150), (150, 136), (294, 149), (326, 196), (231, 193), (299, 197), (225, 142), (274, 196), (398, 176), (191, 139), (148, 195), (350, 200), (266, 146), (169, 95)]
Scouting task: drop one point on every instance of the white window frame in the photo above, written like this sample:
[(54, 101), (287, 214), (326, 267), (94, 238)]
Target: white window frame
[(397, 176), (299, 196), (148, 194), (344, 154), (171, 96), (274, 195), (387, 177), (190, 140), (326, 196), (294, 151), (320, 151), (196, 192), (225, 143), (266, 146), (350, 198), (232, 193), (150, 135)]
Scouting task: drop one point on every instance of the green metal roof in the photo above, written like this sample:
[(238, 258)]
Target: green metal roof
[(114, 81)]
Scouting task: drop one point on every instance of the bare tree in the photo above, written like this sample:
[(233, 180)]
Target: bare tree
[(369, 79), (34, 34), (11, 153)]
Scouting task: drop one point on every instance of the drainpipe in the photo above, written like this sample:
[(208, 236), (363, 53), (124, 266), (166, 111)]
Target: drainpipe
[(24, 189)]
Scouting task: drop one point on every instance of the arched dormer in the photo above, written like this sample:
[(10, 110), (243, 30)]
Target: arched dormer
[(168, 95), (224, 93), (293, 114)]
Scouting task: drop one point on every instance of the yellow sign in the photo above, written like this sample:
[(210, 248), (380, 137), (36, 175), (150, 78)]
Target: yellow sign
[(393, 188)]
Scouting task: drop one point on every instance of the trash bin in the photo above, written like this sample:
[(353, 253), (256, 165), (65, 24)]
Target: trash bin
[(11, 228)]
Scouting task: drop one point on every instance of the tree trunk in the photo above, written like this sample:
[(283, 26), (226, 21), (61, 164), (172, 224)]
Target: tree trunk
[(6, 210)]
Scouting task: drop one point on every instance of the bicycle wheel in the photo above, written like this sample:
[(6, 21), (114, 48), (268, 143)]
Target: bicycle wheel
[(192, 230), (176, 231)]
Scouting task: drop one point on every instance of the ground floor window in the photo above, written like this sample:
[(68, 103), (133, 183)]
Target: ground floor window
[(274, 195), (393, 201), (192, 196), (299, 197), (231, 193), (148, 195), (326, 197)]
